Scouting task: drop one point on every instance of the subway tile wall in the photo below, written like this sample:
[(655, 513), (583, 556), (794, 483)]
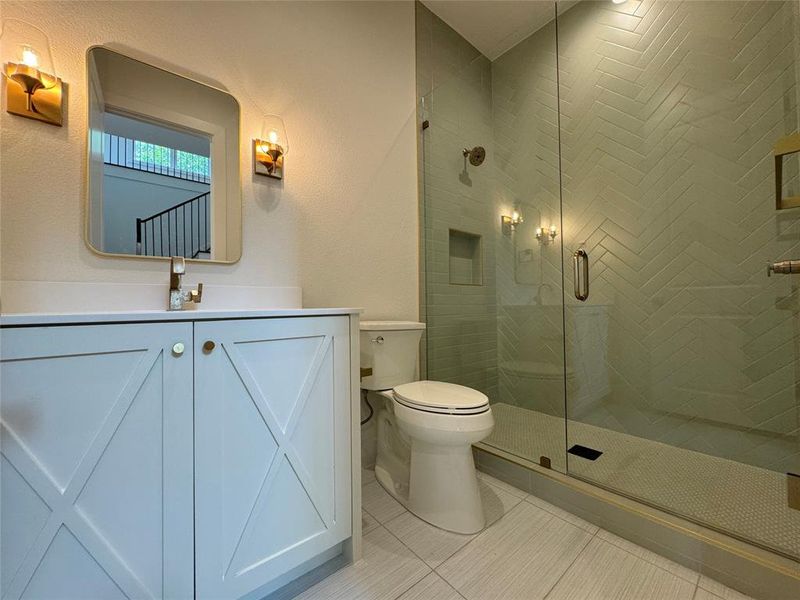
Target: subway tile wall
[(454, 85)]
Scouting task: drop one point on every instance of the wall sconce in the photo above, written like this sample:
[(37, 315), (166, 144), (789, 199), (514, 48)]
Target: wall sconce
[(545, 236), (509, 223), (271, 148), (32, 88)]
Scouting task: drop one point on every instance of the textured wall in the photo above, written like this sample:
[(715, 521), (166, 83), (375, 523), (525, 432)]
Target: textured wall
[(454, 80), (669, 113), (343, 222)]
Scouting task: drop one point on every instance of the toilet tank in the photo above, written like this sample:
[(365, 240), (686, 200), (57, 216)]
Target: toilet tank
[(391, 350)]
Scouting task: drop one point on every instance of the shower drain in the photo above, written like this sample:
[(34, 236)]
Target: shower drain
[(585, 452)]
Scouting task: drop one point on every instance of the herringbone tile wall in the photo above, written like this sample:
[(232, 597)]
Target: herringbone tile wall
[(668, 115), (530, 330)]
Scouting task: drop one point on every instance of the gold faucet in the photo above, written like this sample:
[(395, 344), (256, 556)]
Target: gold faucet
[(177, 297)]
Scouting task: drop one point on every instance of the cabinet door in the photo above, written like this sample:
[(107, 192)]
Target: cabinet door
[(96, 464), (272, 448)]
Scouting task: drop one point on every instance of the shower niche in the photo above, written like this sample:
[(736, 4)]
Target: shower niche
[(466, 265)]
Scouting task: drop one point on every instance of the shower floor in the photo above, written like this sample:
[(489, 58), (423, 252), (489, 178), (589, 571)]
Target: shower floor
[(746, 501)]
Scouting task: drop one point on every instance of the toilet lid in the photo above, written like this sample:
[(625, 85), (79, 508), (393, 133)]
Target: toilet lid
[(438, 395)]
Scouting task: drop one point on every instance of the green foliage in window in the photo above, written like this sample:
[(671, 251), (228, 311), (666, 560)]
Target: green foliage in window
[(160, 159), (145, 152), (192, 163)]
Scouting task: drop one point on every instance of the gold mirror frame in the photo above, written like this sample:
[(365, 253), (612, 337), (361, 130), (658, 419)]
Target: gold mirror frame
[(87, 158)]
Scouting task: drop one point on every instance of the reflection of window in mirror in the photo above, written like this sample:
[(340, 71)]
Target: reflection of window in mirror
[(163, 163), (156, 189)]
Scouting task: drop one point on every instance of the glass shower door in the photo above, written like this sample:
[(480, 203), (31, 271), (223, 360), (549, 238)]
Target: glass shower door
[(492, 298), (684, 356)]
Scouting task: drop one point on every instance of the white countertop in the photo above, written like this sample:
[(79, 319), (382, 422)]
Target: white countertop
[(75, 318)]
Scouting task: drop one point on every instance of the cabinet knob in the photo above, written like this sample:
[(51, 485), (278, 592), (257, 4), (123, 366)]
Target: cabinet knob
[(178, 349), (208, 346)]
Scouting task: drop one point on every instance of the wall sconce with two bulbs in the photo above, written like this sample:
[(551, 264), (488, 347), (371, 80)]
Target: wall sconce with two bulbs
[(32, 88), (545, 236), (270, 149), (508, 224)]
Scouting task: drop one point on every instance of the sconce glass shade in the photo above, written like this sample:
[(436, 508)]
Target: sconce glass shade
[(270, 149), (273, 131), (26, 56), (34, 90)]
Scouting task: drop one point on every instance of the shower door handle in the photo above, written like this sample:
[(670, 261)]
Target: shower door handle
[(580, 271)]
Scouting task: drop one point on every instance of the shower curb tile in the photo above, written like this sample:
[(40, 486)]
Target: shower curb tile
[(562, 514)]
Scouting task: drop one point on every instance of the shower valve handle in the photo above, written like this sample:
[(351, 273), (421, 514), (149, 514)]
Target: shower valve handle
[(783, 267)]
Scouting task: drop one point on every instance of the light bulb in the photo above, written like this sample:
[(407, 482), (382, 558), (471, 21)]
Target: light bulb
[(553, 230), (619, 1), (515, 216), (29, 57), (273, 131)]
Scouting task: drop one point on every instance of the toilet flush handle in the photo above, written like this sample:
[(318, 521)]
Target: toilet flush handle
[(377, 340)]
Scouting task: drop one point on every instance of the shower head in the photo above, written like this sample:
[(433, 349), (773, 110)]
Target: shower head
[(476, 156)]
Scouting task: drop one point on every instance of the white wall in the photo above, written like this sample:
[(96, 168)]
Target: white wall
[(343, 222)]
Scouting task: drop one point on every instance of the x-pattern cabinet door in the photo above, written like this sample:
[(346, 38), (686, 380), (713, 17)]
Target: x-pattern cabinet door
[(96, 468), (272, 450)]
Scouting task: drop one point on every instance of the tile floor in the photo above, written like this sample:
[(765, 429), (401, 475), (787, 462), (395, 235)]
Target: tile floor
[(734, 497), (531, 550)]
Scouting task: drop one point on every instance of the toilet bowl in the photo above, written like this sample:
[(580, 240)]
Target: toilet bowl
[(425, 431)]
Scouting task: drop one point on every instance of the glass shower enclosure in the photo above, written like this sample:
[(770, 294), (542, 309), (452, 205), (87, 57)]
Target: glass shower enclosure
[(602, 274)]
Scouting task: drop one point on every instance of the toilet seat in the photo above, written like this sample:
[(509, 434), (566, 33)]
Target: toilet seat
[(441, 398)]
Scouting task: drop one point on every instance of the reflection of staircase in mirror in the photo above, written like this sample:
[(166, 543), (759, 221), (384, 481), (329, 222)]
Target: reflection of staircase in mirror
[(181, 230), (163, 182)]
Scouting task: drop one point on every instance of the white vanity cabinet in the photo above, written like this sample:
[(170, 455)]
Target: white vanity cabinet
[(272, 450), (201, 458), (96, 475)]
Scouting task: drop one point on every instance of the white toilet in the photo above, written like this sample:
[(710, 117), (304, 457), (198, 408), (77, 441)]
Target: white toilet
[(425, 430)]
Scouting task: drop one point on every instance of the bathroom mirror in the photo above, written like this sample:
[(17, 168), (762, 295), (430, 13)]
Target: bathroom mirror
[(163, 163)]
